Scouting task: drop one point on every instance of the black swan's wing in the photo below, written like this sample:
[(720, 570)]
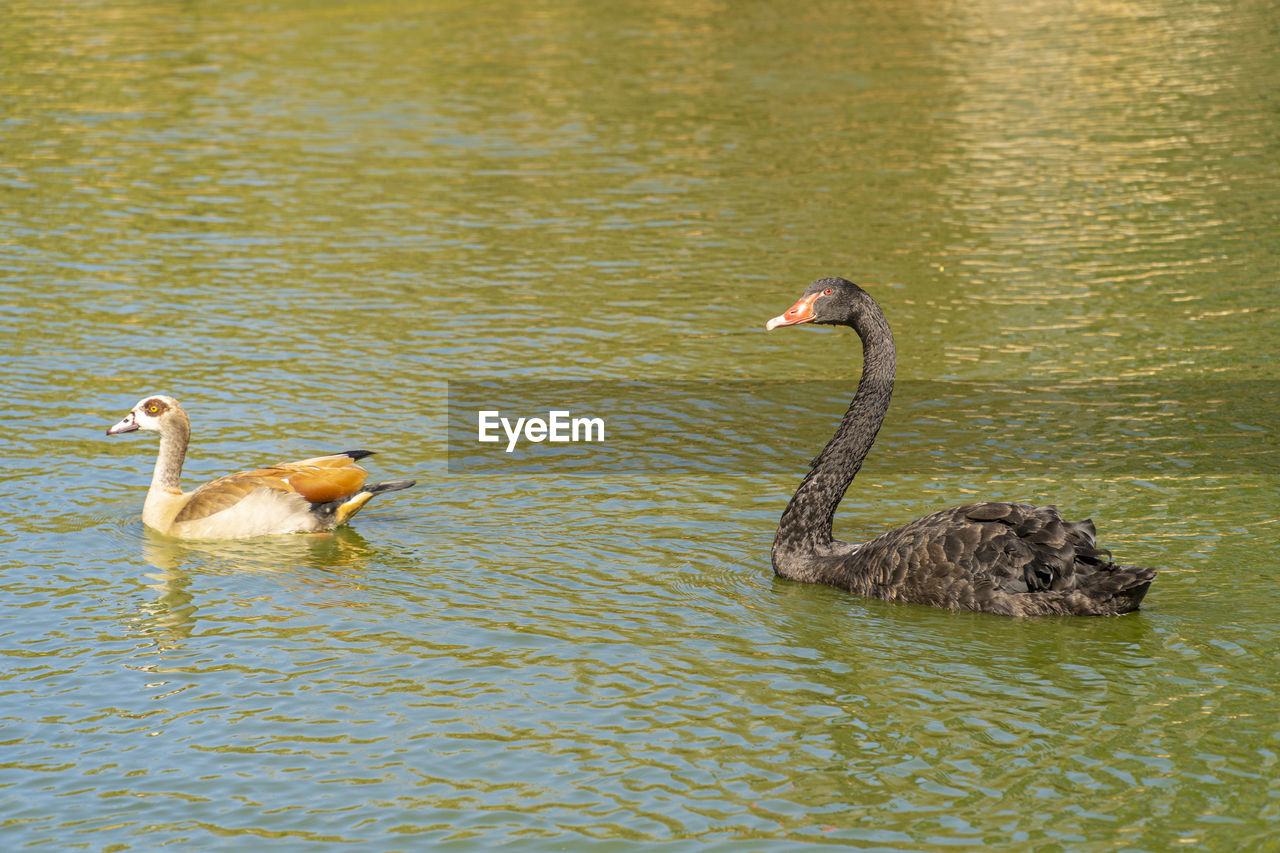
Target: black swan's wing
[(1001, 557)]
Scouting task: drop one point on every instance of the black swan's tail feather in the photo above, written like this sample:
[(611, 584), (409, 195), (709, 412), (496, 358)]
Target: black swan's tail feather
[(1124, 586)]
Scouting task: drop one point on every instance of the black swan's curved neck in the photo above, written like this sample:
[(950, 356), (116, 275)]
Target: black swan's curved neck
[(805, 527)]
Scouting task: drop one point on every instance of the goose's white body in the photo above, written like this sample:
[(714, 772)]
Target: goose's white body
[(261, 512), (307, 496)]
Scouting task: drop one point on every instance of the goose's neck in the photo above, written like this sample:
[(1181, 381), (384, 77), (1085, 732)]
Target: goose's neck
[(805, 528), (173, 452)]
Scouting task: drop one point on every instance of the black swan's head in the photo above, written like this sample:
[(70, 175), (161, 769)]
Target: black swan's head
[(827, 300)]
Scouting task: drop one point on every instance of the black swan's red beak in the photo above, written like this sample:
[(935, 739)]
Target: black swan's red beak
[(801, 312)]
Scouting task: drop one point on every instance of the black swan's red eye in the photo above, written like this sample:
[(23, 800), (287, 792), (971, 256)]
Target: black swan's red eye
[(828, 292)]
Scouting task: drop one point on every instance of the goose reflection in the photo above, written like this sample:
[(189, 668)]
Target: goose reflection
[(333, 560)]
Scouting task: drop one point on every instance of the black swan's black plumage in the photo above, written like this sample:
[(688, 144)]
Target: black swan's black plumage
[(1012, 559)]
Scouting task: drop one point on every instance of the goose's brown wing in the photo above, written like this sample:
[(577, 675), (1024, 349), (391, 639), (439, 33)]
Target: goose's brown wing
[(319, 480)]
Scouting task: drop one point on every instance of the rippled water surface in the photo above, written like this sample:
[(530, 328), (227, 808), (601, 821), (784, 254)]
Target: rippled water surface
[(319, 225)]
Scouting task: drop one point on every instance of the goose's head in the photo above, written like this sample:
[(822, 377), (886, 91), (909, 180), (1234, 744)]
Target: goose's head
[(151, 413)]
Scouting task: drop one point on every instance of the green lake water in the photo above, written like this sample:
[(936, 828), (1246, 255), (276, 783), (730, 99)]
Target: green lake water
[(350, 225)]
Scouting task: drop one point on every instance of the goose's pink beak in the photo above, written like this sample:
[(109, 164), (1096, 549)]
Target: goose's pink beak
[(126, 425), (801, 312)]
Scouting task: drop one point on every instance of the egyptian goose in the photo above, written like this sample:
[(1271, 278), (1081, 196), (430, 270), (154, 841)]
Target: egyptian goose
[(307, 496)]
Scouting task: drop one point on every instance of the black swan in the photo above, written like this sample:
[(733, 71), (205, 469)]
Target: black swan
[(1011, 559)]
